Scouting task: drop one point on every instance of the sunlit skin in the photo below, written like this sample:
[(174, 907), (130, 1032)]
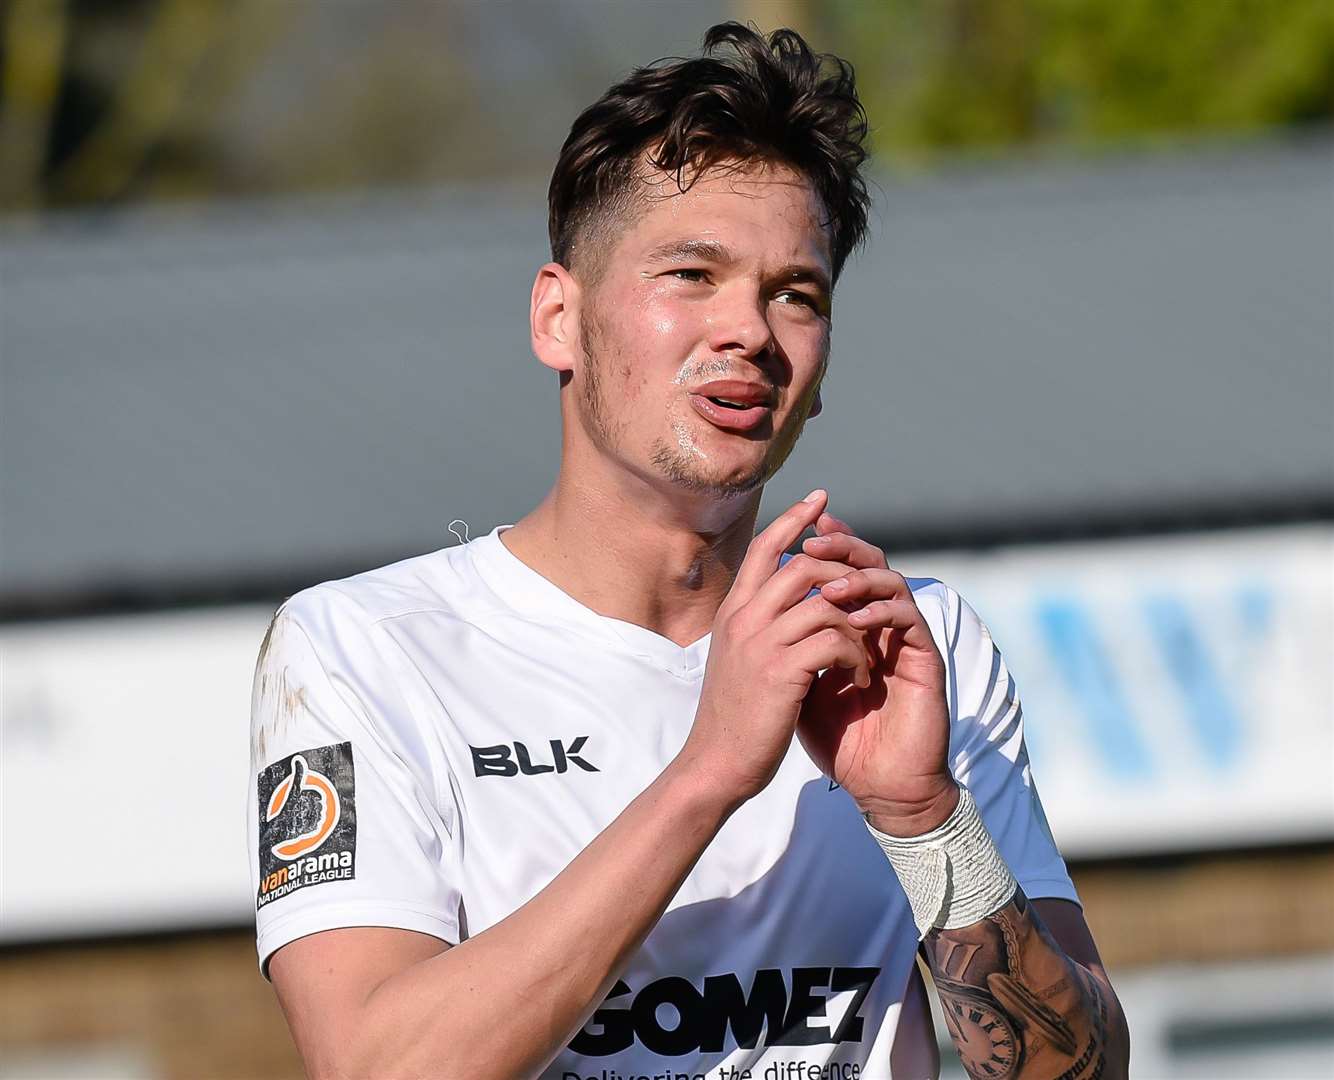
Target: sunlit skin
[(729, 279)]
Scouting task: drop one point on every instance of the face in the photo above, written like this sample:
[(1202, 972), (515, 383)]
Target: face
[(703, 340)]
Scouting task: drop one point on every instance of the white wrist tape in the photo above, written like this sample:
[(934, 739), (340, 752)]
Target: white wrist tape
[(953, 876)]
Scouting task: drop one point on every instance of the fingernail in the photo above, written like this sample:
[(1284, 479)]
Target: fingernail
[(814, 496), (817, 540), (840, 583)]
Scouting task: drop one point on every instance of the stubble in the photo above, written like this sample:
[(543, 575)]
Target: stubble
[(677, 460)]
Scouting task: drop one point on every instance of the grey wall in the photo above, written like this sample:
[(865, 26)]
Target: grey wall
[(264, 392)]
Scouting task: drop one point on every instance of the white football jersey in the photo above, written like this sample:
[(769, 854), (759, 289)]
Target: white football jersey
[(434, 741)]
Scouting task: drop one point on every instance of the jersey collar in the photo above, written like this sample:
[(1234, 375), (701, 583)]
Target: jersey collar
[(531, 594)]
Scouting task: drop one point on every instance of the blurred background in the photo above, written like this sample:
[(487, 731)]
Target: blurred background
[(260, 260)]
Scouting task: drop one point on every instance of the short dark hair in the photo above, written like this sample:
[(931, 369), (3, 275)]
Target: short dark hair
[(748, 98)]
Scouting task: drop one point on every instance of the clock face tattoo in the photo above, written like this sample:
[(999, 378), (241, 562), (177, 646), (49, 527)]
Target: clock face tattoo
[(987, 1044)]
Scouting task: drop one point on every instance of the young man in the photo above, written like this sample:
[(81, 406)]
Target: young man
[(620, 791)]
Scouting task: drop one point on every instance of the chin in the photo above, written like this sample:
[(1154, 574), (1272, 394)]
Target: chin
[(686, 471)]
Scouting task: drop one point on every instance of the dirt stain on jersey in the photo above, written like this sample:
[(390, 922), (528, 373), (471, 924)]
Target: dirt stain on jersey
[(274, 697)]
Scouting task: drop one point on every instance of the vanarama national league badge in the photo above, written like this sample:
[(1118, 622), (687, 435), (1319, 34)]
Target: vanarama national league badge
[(307, 821)]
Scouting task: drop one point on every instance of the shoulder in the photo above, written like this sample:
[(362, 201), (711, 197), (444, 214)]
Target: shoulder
[(328, 669), (440, 582), (434, 581), (954, 624), (341, 631), (978, 681), (931, 593)]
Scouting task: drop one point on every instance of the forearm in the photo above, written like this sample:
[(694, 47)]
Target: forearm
[(507, 1000), (1017, 1006), (1017, 1003)]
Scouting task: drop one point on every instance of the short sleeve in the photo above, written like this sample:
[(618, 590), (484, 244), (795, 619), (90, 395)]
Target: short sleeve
[(988, 756), (345, 825)]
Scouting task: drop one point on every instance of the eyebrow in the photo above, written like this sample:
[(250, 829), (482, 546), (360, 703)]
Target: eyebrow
[(715, 252), (801, 274), (711, 250)]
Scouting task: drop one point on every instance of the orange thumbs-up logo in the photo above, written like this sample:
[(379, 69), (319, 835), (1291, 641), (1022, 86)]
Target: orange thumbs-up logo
[(307, 821), (309, 799)]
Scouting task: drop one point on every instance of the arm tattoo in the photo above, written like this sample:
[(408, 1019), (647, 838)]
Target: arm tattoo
[(1015, 1004)]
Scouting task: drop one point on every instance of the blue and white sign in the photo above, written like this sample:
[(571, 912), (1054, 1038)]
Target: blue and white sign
[(1178, 692)]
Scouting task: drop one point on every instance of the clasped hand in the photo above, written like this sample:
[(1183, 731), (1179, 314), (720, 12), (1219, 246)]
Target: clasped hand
[(887, 744)]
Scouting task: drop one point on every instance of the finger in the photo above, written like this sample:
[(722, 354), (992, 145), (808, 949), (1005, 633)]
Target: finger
[(791, 584), (767, 548), (812, 614), (837, 682), (846, 548), (826, 648), (828, 523), (902, 615), (815, 613), (864, 585)]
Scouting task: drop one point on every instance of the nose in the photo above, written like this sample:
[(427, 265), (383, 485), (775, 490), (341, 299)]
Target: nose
[(737, 324)]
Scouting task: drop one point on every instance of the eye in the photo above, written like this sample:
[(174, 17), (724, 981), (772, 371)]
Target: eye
[(688, 274), (790, 296)]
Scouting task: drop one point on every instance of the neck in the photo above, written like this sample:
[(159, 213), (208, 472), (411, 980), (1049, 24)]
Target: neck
[(628, 550)]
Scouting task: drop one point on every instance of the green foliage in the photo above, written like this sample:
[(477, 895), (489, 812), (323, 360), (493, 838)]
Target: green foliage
[(105, 101), (951, 74)]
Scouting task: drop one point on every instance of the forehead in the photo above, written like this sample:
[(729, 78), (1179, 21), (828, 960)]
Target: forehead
[(759, 209)]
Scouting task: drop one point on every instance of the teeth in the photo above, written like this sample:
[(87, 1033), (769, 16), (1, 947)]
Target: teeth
[(730, 404)]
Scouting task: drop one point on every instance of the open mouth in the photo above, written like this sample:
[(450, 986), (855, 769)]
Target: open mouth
[(728, 413)]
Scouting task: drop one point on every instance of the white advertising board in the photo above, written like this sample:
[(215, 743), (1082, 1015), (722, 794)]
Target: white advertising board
[(126, 749), (1178, 694)]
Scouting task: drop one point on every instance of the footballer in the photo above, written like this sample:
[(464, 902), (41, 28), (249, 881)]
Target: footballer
[(621, 790)]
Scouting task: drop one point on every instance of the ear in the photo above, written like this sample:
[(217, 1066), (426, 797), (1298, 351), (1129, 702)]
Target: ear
[(553, 317), (816, 407)]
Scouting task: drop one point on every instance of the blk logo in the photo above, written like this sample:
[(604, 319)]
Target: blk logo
[(507, 760)]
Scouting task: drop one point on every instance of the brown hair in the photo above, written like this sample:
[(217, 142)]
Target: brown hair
[(766, 99)]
